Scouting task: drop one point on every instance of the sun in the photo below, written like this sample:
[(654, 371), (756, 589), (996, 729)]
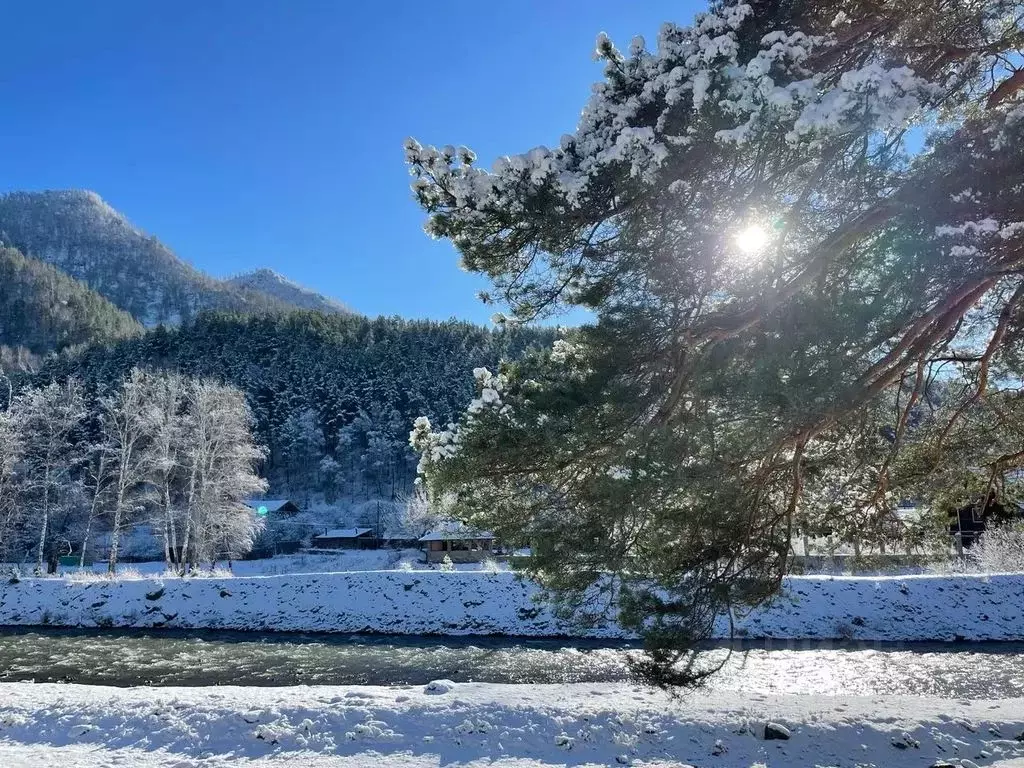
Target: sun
[(752, 239)]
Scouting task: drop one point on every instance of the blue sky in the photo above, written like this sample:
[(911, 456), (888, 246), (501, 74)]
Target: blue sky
[(247, 133)]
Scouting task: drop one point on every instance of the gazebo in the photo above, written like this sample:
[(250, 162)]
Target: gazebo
[(458, 541)]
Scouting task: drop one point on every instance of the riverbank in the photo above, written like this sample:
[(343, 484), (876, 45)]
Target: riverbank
[(905, 608), (494, 725)]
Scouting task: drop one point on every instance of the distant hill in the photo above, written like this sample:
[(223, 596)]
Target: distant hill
[(76, 231), (269, 282), (43, 310)]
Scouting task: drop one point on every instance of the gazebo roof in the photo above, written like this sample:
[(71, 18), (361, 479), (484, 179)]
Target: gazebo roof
[(453, 530), (344, 533)]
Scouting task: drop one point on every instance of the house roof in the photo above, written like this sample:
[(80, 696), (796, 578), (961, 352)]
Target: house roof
[(344, 533), (272, 505), (452, 530)]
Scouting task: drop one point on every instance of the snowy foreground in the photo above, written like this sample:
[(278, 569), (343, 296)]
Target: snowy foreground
[(904, 608), (492, 725)]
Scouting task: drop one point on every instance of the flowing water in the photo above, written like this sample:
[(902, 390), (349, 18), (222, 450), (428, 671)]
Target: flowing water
[(192, 658)]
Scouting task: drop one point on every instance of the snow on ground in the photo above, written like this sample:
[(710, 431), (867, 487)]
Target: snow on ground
[(477, 603), (475, 724), (309, 561)]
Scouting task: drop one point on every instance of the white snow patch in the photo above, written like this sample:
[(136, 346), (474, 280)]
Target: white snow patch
[(499, 726)]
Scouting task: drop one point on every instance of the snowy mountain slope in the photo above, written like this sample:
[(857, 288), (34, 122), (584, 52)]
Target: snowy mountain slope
[(270, 283), (79, 233)]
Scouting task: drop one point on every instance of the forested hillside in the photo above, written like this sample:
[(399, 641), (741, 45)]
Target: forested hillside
[(79, 233), (43, 310), (333, 396)]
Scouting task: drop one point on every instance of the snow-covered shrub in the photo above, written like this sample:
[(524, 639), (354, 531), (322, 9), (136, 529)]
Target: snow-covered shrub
[(447, 564), (999, 550), (213, 573), (85, 577), (405, 565), (490, 565), (80, 576)]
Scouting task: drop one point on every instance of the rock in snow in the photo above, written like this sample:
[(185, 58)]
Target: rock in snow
[(774, 731), (436, 687)]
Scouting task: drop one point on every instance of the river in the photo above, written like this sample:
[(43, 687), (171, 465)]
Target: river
[(194, 658)]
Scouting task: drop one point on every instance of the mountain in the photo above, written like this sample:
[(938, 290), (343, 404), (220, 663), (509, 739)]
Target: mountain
[(43, 310), (270, 283), (76, 231)]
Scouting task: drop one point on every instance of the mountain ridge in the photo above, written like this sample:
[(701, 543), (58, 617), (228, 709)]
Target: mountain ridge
[(81, 234), (272, 283)]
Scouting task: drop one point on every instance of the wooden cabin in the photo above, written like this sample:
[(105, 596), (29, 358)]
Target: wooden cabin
[(280, 507), (459, 542), (346, 538)]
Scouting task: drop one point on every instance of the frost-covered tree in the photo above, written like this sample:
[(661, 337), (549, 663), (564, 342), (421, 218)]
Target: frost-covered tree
[(412, 516), (96, 484), (1000, 550), (218, 455), (127, 425), (10, 509), (45, 421), (787, 217), (166, 446)]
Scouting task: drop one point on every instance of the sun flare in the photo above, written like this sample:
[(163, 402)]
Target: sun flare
[(752, 239)]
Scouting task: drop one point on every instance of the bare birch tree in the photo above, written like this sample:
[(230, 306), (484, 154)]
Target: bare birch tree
[(166, 412), (219, 455), (10, 454), (46, 419), (126, 430), (97, 484)]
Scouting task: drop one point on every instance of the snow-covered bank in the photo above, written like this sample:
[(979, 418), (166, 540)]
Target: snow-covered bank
[(493, 725), (812, 607)]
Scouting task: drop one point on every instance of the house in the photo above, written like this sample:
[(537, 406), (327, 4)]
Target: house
[(282, 534), (970, 521), (346, 538), (459, 542), (279, 507)]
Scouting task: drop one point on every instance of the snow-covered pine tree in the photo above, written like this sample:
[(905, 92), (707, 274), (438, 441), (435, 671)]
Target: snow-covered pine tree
[(769, 253), (302, 444)]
